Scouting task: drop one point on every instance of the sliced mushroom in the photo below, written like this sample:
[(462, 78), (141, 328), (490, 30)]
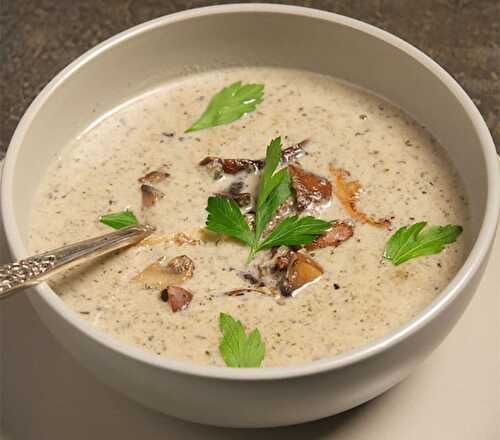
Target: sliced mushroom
[(294, 152), (243, 199), (154, 177), (338, 233), (161, 273), (311, 191), (177, 297), (219, 166), (150, 195), (301, 271), (347, 191)]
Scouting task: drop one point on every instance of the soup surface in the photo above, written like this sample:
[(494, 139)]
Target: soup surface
[(406, 177)]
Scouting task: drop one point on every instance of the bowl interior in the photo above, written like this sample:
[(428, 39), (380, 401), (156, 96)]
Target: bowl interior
[(141, 59)]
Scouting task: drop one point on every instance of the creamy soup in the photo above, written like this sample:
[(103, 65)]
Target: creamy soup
[(406, 177)]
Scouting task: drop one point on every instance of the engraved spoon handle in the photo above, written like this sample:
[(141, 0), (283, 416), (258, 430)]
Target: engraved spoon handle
[(34, 270)]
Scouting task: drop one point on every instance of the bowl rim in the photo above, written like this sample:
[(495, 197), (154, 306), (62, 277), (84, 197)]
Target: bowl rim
[(469, 268)]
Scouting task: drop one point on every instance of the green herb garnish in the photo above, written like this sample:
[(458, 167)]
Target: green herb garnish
[(119, 220), (410, 241), (225, 216), (237, 349), (230, 104)]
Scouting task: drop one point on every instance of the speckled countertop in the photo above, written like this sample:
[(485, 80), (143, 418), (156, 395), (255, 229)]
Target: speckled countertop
[(38, 38)]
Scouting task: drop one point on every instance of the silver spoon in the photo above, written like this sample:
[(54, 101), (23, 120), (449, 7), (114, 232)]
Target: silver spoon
[(36, 269)]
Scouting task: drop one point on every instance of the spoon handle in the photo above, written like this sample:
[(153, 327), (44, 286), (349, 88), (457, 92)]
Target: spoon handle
[(34, 270)]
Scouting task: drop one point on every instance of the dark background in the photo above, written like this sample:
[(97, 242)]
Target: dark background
[(39, 37)]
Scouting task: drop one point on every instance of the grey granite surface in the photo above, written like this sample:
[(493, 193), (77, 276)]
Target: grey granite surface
[(39, 37)]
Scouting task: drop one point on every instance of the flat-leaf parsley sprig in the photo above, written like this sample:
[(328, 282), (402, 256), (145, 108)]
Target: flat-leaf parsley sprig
[(236, 348), (230, 104), (412, 241), (225, 216)]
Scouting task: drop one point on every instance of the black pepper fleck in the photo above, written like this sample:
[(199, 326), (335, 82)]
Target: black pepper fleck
[(164, 295)]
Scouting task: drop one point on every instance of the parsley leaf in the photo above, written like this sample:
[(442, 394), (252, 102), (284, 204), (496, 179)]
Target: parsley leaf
[(278, 195), (411, 241), (295, 231), (119, 220), (237, 349), (274, 188), (225, 217), (230, 104), (267, 183)]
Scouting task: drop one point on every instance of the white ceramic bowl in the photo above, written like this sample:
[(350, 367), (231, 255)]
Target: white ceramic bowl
[(145, 56)]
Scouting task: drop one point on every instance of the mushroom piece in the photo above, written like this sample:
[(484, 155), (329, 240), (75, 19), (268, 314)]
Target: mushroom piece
[(177, 297), (161, 273), (302, 270), (150, 195), (154, 177), (281, 257), (294, 152), (347, 191), (337, 234), (243, 199), (234, 192), (219, 166), (311, 191)]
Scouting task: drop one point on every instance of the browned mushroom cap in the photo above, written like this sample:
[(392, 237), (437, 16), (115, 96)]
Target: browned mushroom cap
[(301, 271), (338, 233), (154, 177), (220, 165), (178, 298), (150, 195), (347, 191), (311, 191), (162, 273)]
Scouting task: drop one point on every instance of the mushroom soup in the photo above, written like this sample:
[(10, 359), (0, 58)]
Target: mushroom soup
[(353, 170)]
